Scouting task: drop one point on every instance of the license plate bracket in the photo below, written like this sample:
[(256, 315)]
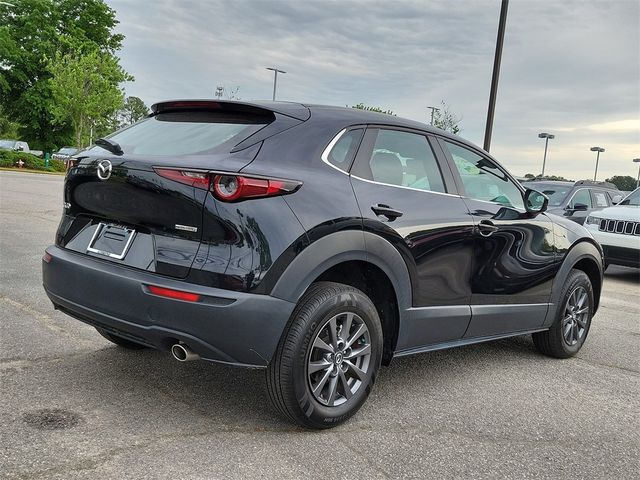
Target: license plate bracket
[(112, 241)]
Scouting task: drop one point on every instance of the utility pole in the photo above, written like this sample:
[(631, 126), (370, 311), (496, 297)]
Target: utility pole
[(496, 74), (275, 79), (637, 160), (433, 110), (597, 149)]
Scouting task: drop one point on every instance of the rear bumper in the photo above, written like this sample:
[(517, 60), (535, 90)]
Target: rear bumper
[(223, 326)]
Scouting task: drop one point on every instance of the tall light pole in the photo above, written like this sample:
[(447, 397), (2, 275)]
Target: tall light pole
[(547, 137), (637, 160), (496, 73), (597, 149), (433, 110), (275, 79)]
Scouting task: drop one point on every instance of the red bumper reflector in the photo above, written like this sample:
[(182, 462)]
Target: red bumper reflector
[(47, 257), (176, 294)]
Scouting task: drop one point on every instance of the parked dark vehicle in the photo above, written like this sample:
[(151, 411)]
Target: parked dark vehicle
[(313, 242), (575, 200)]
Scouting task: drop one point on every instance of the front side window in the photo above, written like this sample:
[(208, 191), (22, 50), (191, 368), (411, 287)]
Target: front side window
[(342, 153), (402, 159), (483, 180), (582, 196)]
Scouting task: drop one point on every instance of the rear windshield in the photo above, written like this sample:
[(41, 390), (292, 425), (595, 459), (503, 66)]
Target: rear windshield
[(187, 133)]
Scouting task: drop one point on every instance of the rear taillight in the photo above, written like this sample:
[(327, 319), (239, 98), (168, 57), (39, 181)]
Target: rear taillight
[(231, 188), (188, 177)]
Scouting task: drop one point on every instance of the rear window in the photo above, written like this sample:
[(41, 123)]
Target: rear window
[(188, 133)]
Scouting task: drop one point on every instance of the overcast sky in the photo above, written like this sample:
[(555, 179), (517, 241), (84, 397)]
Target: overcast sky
[(571, 68)]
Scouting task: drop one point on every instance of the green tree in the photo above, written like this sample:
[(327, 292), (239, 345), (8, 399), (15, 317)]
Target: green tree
[(32, 34), (623, 182), (133, 110), (444, 119), (85, 90), (362, 106), (8, 129)]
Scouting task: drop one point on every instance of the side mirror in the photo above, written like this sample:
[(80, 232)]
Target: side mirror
[(535, 202), (580, 207), (617, 199), (20, 148)]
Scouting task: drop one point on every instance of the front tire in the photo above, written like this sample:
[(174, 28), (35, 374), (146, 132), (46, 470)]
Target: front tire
[(326, 362), (573, 318)]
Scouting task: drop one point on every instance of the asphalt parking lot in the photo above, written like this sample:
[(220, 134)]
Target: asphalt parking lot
[(75, 406)]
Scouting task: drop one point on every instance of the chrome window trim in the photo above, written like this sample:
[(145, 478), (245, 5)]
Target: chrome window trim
[(406, 188)]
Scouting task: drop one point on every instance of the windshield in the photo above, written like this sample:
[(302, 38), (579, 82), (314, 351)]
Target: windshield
[(632, 199), (7, 143), (186, 133), (556, 194)]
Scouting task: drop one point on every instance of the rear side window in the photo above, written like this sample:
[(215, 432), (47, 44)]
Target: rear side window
[(600, 198), (188, 133), (402, 159), (342, 153)]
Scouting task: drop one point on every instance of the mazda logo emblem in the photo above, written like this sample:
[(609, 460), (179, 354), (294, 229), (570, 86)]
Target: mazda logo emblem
[(104, 169)]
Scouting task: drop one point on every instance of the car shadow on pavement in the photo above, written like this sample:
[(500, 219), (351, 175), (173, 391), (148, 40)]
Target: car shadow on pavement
[(625, 274), (202, 396)]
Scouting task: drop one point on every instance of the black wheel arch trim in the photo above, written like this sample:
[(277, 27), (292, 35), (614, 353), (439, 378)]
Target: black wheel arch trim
[(340, 247), (581, 250)]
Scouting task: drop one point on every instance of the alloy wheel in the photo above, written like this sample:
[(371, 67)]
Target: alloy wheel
[(339, 359), (576, 316)]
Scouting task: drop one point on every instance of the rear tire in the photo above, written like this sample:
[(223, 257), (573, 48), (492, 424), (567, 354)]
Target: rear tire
[(121, 342), (326, 362), (573, 318)]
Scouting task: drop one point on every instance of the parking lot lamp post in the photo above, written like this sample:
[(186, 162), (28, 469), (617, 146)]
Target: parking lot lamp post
[(547, 137), (597, 149), (275, 79), (637, 160)]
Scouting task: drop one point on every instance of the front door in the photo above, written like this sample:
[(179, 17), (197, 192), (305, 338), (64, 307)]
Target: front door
[(406, 197), (513, 265)]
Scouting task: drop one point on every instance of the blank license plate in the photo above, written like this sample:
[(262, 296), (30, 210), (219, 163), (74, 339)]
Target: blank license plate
[(111, 240)]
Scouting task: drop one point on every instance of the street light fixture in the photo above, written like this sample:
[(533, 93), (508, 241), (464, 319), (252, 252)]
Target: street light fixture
[(275, 79), (597, 149), (637, 160), (547, 137)]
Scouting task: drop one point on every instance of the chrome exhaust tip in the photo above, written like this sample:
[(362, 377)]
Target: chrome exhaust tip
[(182, 353)]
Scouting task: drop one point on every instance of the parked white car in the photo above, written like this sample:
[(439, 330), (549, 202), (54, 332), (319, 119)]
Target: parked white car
[(617, 229)]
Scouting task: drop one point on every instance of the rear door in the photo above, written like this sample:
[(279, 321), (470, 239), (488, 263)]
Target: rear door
[(144, 208), (513, 260), (406, 197)]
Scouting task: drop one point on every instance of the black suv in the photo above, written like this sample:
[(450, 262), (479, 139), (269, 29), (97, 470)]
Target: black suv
[(575, 200), (314, 242)]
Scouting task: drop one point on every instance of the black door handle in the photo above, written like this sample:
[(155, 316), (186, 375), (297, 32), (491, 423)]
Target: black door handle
[(386, 211), (486, 228)]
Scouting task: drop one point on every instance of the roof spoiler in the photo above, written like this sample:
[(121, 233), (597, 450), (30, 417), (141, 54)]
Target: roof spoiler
[(293, 110)]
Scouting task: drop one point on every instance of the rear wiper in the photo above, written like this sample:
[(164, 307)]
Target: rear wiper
[(113, 147)]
